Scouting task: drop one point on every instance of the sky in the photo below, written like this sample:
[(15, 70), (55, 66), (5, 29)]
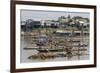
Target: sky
[(49, 15)]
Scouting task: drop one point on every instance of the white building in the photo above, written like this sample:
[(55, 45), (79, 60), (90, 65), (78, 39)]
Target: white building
[(49, 23)]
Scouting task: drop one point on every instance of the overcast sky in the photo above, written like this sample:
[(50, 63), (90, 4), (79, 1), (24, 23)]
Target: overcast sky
[(49, 15)]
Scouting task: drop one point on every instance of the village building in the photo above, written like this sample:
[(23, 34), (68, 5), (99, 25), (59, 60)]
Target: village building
[(49, 23)]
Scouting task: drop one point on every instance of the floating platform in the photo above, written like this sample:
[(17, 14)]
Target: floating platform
[(37, 48)]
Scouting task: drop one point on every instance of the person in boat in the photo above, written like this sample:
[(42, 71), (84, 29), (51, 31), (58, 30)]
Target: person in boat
[(68, 52)]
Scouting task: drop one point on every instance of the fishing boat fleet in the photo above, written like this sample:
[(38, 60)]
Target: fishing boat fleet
[(63, 45), (66, 37)]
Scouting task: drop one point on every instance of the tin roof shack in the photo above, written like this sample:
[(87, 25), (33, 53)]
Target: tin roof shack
[(81, 23), (36, 24), (31, 24), (49, 24)]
